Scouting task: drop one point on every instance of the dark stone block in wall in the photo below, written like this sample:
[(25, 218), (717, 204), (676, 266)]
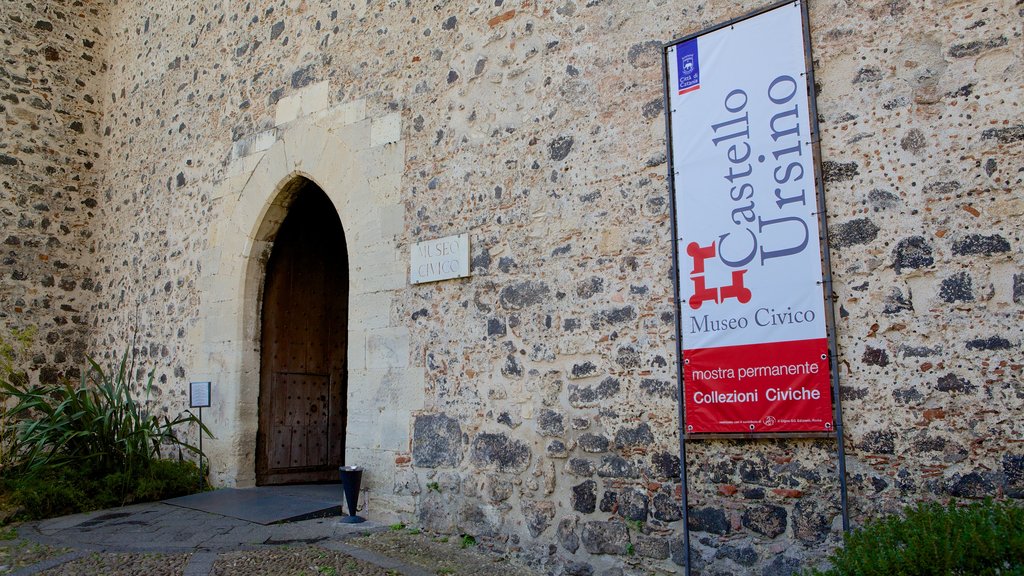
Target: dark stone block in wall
[(557, 449), (512, 368), (538, 515), (665, 508), (895, 302), (712, 520), (875, 356), (580, 396), (953, 383), (566, 535), (652, 109), (742, 555), (617, 467), (560, 147), (645, 54), (610, 537), (659, 388), (500, 452), (303, 77), (911, 253), (612, 316), (782, 566), (627, 357), (609, 502), (495, 327), (593, 443), (276, 29), (854, 232), (1018, 288), (631, 437), (1013, 475), (978, 244), (810, 523), (973, 485), (589, 287), (584, 497), (975, 47), (1004, 135), (583, 370), (879, 442), (665, 466), (907, 395), (768, 520), (633, 505), (580, 467), (522, 294), (838, 171), (649, 547), (990, 343), (957, 288), (437, 441), (550, 423)]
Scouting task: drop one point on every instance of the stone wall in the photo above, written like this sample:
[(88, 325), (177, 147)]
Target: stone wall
[(548, 378), (52, 65)]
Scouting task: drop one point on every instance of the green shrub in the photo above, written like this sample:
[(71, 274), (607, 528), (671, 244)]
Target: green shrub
[(98, 423), (981, 539), (55, 492)]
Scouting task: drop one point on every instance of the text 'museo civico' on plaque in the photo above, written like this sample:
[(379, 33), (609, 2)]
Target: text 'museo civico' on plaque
[(439, 259)]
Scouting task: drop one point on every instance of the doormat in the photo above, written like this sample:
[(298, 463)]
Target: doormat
[(267, 504)]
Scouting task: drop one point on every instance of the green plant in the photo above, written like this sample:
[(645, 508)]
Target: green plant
[(433, 487), (630, 550), (58, 491), (413, 531), (99, 423), (982, 539), (327, 570), (637, 525), (9, 534), (10, 353), (467, 541), (397, 526), (445, 571)]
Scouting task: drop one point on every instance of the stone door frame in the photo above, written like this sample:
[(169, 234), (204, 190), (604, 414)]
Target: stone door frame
[(358, 162)]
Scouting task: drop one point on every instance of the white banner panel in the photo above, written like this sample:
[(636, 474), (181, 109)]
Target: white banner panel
[(752, 322)]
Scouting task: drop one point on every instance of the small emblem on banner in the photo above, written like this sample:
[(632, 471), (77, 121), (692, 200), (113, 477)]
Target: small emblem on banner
[(688, 66)]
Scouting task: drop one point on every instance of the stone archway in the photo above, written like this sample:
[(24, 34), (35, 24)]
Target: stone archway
[(358, 163)]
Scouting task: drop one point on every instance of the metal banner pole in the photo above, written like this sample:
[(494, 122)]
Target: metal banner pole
[(826, 264), (202, 475), (678, 338)]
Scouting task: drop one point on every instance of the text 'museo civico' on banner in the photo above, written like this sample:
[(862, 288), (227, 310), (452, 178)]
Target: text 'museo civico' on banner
[(752, 322)]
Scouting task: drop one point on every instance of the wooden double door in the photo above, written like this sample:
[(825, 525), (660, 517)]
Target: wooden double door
[(303, 385)]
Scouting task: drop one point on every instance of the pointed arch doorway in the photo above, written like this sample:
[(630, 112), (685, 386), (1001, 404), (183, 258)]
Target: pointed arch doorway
[(304, 321)]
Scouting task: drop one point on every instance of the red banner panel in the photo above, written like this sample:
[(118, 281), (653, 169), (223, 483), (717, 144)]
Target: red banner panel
[(759, 388)]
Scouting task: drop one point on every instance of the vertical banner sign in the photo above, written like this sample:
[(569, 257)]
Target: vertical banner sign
[(752, 322)]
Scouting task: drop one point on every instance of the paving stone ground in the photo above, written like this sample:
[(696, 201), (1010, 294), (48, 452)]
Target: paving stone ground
[(157, 539)]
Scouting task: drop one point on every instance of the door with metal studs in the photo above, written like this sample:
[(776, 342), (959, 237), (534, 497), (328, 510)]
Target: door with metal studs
[(304, 322)]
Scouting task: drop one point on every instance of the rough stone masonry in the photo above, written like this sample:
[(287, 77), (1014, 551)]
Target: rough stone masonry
[(534, 403)]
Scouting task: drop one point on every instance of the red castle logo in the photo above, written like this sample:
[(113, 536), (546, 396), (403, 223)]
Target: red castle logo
[(701, 292)]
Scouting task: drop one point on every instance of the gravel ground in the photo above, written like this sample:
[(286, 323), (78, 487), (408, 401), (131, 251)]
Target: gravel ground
[(439, 554), (104, 564), (15, 554), (293, 561)]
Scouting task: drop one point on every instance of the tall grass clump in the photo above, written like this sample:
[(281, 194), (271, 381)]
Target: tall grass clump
[(93, 444), (980, 539)]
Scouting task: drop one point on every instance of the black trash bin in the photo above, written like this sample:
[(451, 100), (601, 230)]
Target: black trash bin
[(351, 477)]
